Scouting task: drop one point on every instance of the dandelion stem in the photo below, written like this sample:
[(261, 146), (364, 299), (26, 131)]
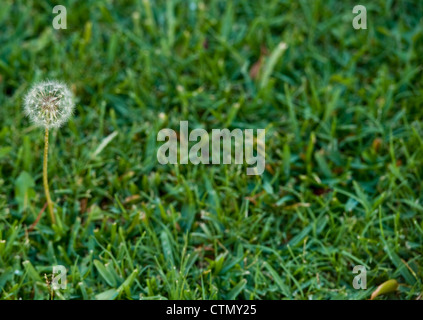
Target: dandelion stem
[(45, 179)]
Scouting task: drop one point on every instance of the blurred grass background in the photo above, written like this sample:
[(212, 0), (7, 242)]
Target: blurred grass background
[(342, 109)]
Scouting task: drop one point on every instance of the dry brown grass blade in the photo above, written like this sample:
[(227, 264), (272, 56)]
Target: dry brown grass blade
[(38, 218)]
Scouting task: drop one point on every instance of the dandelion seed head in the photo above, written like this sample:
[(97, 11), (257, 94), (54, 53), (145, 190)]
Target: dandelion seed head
[(49, 104)]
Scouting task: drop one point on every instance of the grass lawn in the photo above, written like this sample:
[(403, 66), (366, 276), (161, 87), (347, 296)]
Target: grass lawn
[(343, 113)]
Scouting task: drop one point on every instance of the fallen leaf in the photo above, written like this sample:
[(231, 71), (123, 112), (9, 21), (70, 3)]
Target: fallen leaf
[(377, 143), (83, 205), (386, 287), (256, 67)]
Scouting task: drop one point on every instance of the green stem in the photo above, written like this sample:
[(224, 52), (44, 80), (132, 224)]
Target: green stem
[(45, 179)]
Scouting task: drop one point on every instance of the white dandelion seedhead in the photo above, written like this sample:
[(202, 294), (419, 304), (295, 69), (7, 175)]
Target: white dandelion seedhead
[(49, 104)]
